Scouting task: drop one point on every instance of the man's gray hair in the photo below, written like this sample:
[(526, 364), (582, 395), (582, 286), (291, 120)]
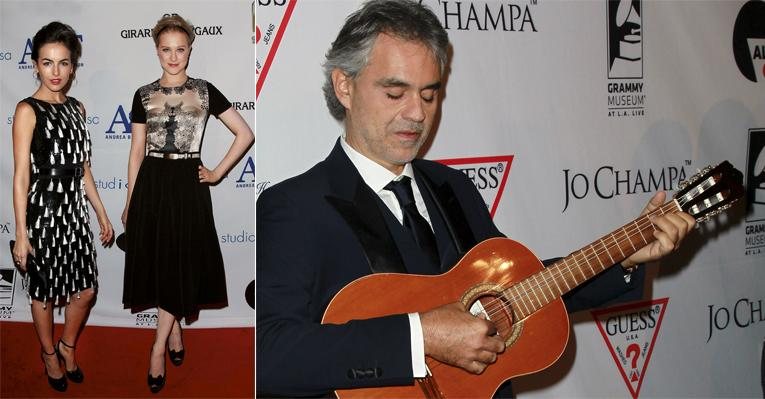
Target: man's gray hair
[(405, 19)]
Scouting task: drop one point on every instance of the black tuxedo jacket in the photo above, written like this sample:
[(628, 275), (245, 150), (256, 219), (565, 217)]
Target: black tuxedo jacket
[(318, 231)]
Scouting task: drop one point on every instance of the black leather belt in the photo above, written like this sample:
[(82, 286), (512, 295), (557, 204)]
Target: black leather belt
[(75, 171), (173, 155)]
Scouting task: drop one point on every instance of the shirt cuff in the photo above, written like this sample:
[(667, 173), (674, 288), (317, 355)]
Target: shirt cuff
[(418, 346), (628, 272)]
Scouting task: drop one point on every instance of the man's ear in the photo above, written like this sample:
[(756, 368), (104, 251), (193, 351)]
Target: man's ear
[(342, 84)]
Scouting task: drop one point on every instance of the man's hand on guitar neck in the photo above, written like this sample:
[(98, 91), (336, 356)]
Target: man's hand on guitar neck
[(454, 336), (670, 230)]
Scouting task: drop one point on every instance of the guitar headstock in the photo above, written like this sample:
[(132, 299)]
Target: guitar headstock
[(710, 191)]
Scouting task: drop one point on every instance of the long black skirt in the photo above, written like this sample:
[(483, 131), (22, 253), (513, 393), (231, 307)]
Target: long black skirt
[(172, 255)]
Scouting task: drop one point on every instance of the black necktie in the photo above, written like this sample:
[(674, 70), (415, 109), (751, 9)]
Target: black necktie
[(413, 221)]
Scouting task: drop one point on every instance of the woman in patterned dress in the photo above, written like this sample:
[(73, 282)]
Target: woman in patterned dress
[(52, 184), (173, 260)]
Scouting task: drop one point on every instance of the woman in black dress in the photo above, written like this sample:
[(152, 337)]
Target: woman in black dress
[(52, 185), (172, 256)]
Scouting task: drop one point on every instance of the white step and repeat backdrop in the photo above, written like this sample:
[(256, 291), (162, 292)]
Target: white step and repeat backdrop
[(118, 57), (568, 116)]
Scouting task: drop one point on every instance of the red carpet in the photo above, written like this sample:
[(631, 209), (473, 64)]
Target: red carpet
[(219, 363)]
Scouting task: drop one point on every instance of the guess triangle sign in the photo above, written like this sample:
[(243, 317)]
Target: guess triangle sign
[(630, 333)]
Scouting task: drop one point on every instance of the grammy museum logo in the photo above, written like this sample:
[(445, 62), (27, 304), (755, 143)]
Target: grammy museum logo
[(489, 174), (630, 333), (7, 287), (755, 193), (626, 97)]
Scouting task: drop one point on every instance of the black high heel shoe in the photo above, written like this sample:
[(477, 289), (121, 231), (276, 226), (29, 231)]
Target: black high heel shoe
[(58, 384), (156, 383), (176, 357), (74, 376)]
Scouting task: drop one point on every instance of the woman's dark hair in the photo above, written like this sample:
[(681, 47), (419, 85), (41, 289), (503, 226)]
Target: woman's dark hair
[(57, 32)]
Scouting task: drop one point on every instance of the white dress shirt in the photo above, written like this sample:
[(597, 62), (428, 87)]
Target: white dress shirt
[(377, 177)]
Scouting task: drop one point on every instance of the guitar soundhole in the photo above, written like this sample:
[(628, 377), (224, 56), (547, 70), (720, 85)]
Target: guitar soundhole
[(484, 300), (499, 312)]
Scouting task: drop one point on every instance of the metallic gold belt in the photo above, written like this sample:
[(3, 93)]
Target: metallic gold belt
[(173, 155)]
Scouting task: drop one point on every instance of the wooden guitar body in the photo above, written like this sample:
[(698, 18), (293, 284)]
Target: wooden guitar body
[(503, 281), (533, 343)]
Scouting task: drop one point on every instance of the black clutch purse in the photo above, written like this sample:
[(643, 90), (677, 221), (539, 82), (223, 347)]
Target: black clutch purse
[(37, 277), (121, 242)]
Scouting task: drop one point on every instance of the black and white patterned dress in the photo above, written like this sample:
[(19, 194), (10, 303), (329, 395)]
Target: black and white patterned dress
[(172, 256), (58, 223)]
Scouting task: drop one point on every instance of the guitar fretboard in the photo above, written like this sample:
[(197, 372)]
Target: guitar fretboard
[(536, 291)]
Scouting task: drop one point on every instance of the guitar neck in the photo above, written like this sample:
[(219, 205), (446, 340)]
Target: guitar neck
[(536, 291)]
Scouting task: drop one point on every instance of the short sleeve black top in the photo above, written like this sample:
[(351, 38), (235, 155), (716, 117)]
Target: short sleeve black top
[(176, 117)]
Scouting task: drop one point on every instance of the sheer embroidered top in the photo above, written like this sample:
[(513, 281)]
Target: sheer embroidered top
[(176, 117)]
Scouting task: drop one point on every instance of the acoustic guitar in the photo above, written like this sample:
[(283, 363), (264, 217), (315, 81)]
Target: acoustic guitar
[(505, 282)]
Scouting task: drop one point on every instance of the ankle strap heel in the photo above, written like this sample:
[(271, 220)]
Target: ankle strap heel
[(76, 375), (59, 384)]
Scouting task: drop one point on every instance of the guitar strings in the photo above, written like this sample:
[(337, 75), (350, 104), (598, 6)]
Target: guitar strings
[(628, 231), (635, 228), (564, 268)]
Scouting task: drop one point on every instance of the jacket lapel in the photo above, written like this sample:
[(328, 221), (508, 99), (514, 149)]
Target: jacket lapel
[(357, 205), (453, 232)]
